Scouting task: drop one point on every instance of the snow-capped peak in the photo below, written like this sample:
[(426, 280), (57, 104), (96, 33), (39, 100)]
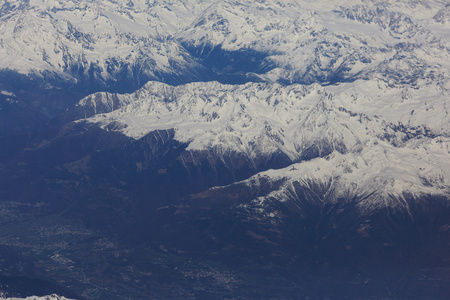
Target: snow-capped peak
[(380, 175)]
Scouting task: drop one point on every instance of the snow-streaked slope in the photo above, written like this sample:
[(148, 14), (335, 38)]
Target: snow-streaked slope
[(380, 175), (302, 41), (211, 113), (74, 37), (365, 134), (392, 59), (328, 41), (255, 119)]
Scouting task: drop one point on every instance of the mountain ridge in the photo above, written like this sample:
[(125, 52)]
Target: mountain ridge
[(209, 150)]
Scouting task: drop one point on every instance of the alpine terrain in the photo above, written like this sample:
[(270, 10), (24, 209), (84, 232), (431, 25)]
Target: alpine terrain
[(198, 149)]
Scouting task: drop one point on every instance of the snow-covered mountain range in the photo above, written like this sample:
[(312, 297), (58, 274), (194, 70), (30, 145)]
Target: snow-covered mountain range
[(272, 135), (76, 38), (367, 136), (316, 41), (302, 41), (68, 49)]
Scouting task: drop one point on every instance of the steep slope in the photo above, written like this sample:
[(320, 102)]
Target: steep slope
[(62, 51), (378, 176), (52, 53), (300, 122), (65, 37), (78, 39), (318, 41)]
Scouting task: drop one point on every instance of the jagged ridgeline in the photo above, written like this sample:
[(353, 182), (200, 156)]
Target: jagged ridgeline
[(54, 53), (225, 149)]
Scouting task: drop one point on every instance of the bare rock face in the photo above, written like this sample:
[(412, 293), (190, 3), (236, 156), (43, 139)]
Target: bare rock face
[(443, 15)]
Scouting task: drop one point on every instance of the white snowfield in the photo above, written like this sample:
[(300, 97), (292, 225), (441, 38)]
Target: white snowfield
[(372, 139), (41, 36), (307, 39), (302, 40)]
